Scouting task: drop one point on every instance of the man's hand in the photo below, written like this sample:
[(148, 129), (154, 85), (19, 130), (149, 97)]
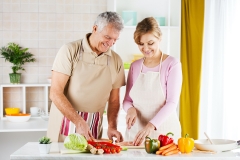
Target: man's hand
[(131, 117), (114, 133), (83, 129)]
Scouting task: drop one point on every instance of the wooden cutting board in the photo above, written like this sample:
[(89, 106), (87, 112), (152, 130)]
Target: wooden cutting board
[(69, 151), (129, 146), (134, 147)]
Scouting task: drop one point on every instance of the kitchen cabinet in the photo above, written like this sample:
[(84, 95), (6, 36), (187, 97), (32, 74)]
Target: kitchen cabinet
[(169, 9)]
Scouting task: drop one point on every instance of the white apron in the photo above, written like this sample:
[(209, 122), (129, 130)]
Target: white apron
[(148, 99), (88, 94)]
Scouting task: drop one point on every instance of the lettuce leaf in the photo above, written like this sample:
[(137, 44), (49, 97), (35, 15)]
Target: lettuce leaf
[(75, 141)]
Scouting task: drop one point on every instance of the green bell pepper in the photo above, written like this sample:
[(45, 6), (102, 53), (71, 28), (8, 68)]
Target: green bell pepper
[(151, 145)]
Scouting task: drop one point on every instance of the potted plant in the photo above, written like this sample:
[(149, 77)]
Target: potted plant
[(18, 56), (44, 145)]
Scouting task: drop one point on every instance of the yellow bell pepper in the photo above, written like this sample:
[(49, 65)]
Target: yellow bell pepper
[(185, 144)]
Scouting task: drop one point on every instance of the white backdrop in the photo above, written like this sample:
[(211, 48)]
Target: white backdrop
[(220, 92)]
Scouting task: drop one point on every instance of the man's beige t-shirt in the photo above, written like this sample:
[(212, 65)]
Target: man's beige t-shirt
[(68, 57)]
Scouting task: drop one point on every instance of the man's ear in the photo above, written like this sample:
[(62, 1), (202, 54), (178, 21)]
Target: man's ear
[(95, 27)]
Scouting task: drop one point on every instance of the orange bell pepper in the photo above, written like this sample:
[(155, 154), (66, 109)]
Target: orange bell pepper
[(185, 144)]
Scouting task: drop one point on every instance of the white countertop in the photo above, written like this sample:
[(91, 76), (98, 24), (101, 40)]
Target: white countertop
[(33, 124), (30, 151)]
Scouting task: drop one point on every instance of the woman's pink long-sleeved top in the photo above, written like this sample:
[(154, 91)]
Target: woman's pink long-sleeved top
[(170, 79)]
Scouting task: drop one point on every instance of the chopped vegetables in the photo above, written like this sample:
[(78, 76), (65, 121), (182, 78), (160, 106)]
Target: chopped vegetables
[(94, 150), (106, 147), (124, 148)]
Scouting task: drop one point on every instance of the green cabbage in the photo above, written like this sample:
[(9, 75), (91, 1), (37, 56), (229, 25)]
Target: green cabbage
[(75, 141)]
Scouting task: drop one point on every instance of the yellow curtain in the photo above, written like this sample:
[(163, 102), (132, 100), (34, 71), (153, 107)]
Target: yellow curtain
[(192, 23)]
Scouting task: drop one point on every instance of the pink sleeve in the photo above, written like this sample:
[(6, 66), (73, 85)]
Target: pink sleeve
[(173, 90)]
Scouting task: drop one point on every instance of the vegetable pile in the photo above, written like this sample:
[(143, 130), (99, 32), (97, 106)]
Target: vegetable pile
[(165, 145), (106, 147), (78, 142)]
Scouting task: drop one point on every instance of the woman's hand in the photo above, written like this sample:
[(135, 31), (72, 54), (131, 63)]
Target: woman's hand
[(131, 117), (140, 137)]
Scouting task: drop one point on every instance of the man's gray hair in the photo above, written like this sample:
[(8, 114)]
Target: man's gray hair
[(106, 18)]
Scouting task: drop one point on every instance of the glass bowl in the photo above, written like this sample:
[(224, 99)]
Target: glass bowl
[(44, 116)]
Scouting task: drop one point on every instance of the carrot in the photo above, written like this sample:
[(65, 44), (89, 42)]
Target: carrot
[(159, 152), (165, 147), (173, 147), (171, 152)]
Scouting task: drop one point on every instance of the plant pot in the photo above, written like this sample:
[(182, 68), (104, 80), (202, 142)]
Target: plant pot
[(44, 148), (15, 78)]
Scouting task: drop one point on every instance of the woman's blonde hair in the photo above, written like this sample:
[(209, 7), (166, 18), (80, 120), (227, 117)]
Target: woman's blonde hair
[(147, 25)]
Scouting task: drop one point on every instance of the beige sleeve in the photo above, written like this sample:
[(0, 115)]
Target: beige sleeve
[(63, 61), (120, 78)]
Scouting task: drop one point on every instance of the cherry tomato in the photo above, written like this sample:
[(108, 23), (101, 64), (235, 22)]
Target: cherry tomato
[(113, 150), (107, 150), (118, 149)]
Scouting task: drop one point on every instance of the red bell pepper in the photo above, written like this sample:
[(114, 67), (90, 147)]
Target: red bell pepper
[(165, 140)]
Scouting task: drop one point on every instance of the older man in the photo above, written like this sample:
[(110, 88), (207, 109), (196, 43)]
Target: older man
[(87, 74)]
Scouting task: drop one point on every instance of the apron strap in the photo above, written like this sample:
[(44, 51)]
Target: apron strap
[(81, 50), (160, 64)]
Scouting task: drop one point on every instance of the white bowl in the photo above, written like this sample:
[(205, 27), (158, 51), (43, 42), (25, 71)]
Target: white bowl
[(18, 117), (218, 145)]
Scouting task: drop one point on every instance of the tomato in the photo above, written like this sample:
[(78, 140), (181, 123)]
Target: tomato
[(113, 150), (107, 150), (118, 149)]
